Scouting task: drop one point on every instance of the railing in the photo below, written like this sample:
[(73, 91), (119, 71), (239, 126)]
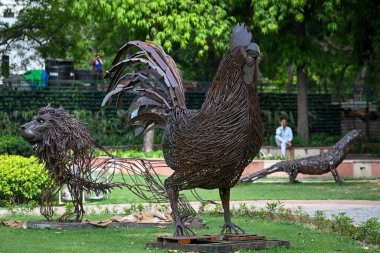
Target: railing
[(25, 85), (324, 116)]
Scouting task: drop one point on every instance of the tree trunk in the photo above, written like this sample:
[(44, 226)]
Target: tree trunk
[(340, 96), (290, 77), (360, 82), (360, 86), (148, 141), (302, 105)]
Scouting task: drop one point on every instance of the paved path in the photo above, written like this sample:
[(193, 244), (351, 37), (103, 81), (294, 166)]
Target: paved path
[(358, 210)]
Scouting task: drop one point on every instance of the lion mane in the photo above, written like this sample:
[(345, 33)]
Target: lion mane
[(66, 141)]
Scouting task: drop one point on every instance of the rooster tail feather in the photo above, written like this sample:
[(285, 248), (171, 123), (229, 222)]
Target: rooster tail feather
[(152, 76)]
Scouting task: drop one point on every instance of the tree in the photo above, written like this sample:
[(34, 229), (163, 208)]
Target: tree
[(320, 42), (196, 33), (204, 23), (298, 25), (181, 26), (49, 27)]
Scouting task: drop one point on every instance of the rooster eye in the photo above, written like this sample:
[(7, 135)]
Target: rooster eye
[(40, 120), (249, 61)]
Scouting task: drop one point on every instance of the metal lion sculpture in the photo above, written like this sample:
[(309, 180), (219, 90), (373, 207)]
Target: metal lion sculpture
[(207, 148), (67, 149)]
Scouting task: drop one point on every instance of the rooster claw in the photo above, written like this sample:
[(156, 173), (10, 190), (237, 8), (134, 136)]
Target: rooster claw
[(182, 230), (228, 227)]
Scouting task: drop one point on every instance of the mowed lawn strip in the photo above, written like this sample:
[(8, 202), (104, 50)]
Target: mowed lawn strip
[(351, 190), (302, 239)]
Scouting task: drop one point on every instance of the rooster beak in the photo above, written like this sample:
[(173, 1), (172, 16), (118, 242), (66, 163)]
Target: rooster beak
[(253, 47)]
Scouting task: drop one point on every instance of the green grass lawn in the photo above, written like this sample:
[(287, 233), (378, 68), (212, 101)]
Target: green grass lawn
[(352, 190), (130, 240)]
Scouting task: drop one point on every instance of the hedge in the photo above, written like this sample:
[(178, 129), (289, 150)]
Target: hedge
[(21, 179)]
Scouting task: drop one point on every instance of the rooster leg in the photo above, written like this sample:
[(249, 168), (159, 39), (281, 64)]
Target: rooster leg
[(228, 225), (180, 228)]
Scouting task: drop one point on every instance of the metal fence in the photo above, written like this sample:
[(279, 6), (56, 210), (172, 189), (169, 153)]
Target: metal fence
[(325, 115)]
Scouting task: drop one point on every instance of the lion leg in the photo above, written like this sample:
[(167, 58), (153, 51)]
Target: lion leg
[(46, 204), (78, 203), (76, 196)]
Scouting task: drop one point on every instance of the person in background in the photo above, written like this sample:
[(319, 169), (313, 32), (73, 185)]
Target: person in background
[(284, 137), (97, 64)]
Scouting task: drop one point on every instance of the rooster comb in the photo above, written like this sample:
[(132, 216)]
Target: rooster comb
[(240, 36)]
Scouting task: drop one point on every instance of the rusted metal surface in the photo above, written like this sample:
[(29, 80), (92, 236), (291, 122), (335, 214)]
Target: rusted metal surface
[(314, 165), (208, 148)]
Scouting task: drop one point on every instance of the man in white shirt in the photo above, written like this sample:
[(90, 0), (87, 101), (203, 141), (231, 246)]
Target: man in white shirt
[(284, 137)]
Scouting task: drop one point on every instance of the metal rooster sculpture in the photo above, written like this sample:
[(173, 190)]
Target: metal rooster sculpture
[(313, 165), (208, 148)]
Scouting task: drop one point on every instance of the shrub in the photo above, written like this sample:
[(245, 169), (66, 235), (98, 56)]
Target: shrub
[(132, 153), (342, 224), (369, 231), (21, 179), (14, 145), (322, 139)]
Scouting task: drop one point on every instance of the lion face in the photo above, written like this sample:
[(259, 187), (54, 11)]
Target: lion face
[(34, 130), (53, 133)]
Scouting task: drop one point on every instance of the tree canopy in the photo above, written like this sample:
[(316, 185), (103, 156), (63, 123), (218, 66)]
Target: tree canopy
[(322, 46)]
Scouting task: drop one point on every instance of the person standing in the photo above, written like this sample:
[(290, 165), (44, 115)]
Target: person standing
[(284, 137), (97, 64)]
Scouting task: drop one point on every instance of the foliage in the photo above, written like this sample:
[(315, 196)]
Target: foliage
[(44, 26), (368, 231), (316, 140), (328, 40), (298, 141), (339, 36), (107, 130), (21, 179), (133, 153), (342, 224), (9, 121), (323, 140), (203, 23), (275, 156), (366, 148), (14, 145)]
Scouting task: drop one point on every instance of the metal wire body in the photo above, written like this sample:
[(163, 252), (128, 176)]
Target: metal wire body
[(67, 149), (314, 165), (208, 148)]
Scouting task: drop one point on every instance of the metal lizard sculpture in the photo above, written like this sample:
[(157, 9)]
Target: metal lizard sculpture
[(313, 165)]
